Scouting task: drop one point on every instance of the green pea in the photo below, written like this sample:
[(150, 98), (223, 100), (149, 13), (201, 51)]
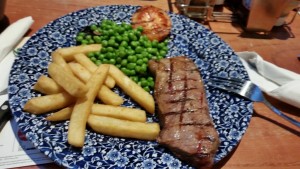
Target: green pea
[(150, 78), (137, 33), (101, 56), (146, 88), (143, 38), (84, 42), (132, 36), (98, 62), (118, 60), (134, 78), (144, 83), (123, 69), (134, 43), (160, 45), (122, 48), (121, 53), (103, 50), (93, 27), (110, 55), (147, 44), (112, 61), (132, 72), (124, 43), (104, 37), (111, 42), (90, 54), (97, 54), (125, 38), (139, 62), (151, 84), (165, 48), (152, 50), (140, 29), (91, 41), (119, 38), (104, 43), (121, 30), (88, 37), (93, 59), (111, 32), (139, 49), (118, 66), (144, 54), (82, 34), (131, 66), (124, 62), (159, 57), (79, 38), (97, 39), (139, 56), (162, 52), (138, 69), (154, 57), (144, 68), (126, 71), (105, 61), (166, 41), (145, 60), (132, 58), (130, 51), (127, 27), (154, 43), (110, 49)]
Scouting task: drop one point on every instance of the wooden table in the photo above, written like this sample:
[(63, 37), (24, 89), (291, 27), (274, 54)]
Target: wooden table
[(270, 141)]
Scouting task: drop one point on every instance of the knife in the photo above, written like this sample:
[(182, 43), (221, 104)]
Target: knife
[(5, 114)]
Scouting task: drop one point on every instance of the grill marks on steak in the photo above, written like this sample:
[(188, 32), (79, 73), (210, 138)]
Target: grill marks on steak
[(187, 128)]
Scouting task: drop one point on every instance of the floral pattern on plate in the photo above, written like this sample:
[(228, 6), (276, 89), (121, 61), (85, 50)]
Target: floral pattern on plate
[(231, 113)]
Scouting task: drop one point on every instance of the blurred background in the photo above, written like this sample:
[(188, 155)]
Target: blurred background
[(252, 15)]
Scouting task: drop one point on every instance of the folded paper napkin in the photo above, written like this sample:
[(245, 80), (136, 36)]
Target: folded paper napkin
[(12, 35), (273, 80), (9, 38), (5, 67)]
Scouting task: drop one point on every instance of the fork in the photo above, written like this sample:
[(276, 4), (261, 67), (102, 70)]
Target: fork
[(248, 90)]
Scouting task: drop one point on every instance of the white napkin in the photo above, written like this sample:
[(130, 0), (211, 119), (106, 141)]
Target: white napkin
[(12, 35), (273, 80), (5, 67)]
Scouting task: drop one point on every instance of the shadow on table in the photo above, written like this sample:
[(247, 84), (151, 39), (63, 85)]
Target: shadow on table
[(291, 130), (283, 32), (4, 23), (221, 163), (284, 107)]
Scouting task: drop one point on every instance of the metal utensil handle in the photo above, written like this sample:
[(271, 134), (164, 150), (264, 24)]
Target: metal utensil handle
[(5, 114)]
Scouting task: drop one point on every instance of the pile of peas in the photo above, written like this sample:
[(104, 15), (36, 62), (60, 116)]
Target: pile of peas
[(124, 47)]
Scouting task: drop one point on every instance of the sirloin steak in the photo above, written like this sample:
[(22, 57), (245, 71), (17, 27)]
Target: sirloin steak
[(186, 126)]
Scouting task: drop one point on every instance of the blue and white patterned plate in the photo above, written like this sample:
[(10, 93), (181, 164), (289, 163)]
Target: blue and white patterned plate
[(231, 113)]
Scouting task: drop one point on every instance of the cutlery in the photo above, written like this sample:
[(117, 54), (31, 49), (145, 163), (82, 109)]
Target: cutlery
[(248, 90), (5, 114)]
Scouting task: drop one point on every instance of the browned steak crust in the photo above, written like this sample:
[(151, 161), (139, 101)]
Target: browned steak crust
[(155, 22), (187, 128)]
